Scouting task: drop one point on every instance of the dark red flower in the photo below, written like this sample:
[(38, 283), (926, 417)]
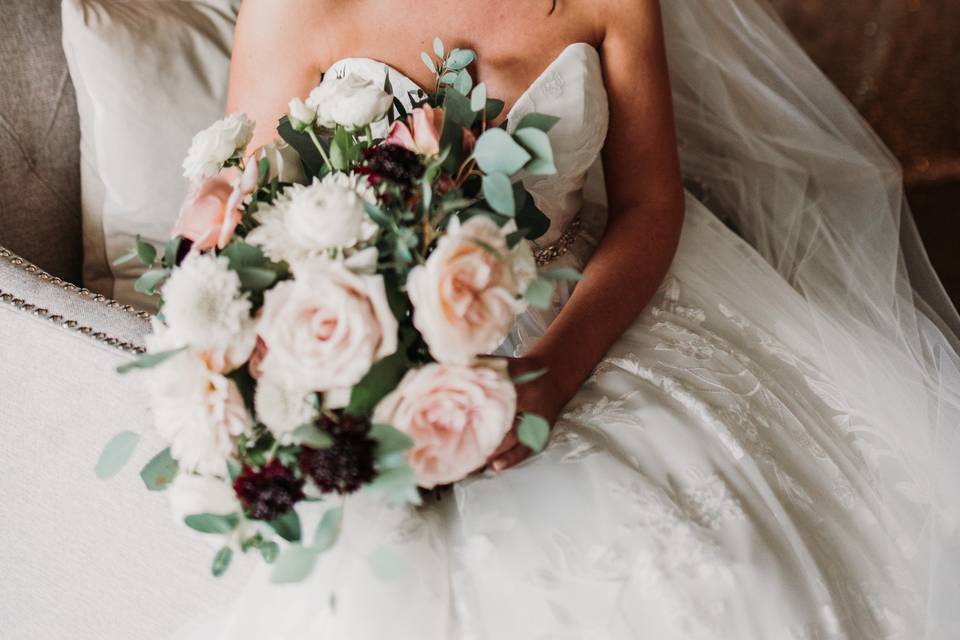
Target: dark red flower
[(268, 493)]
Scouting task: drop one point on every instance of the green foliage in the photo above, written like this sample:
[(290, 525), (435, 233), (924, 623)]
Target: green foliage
[(311, 436), (327, 529), (310, 157), (499, 193), (149, 360), (539, 121), (116, 454), (293, 565), (498, 152), (533, 431), (213, 523), (287, 526), (160, 471), (147, 283), (221, 561), (529, 376), (562, 273), (537, 143), (539, 293)]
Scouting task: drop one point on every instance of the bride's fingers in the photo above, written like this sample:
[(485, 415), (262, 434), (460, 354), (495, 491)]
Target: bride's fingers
[(509, 442), (512, 457)]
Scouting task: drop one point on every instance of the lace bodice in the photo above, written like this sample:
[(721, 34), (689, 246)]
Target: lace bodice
[(571, 88)]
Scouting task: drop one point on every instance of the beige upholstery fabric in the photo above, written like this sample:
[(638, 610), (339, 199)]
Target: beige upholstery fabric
[(39, 136), (149, 75), (82, 558)]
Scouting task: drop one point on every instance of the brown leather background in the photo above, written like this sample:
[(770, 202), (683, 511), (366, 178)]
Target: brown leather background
[(898, 61)]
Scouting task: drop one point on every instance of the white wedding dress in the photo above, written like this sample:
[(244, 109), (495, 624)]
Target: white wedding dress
[(719, 475)]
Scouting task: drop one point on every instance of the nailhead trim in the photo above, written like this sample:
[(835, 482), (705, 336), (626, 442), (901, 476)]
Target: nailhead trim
[(71, 288)]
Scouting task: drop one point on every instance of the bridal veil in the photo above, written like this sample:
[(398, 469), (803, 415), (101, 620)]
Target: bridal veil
[(769, 144)]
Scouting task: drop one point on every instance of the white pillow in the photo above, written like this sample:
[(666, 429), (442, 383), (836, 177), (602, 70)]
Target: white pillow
[(148, 76)]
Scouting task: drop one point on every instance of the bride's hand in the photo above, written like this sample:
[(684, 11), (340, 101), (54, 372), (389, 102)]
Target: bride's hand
[(539, 396)]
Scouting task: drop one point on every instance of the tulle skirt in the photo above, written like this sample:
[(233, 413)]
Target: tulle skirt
[(708, 481)]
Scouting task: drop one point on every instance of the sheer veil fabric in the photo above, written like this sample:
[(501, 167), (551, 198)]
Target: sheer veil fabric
[(827, 344), (768, 143)]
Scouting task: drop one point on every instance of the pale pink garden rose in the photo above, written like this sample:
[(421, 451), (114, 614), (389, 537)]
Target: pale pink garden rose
[(211, 212), (456, 416), (420, 133), (325, 329), (467, 295)]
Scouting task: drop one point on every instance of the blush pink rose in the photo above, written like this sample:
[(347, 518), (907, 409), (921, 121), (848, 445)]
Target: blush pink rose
[(420, 133), (467, 295), (456, 416), (325, 329), (211, 212)]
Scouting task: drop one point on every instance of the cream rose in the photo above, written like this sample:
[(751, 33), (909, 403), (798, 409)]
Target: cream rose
[(456, 416), (324, 329), (467, 295), (351, 101), (216, 144)]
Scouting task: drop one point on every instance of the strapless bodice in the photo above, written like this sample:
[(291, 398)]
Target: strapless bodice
[(570, 88)]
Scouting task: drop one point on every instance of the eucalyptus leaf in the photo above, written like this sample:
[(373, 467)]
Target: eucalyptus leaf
[(529, 376), (529, 217), (327, 530), (310, 156), (146, 252), (499, 193), (116, 454), (562, 273), (438, 47), (389, 440), (234, 469), (533, 431), (313, 437), (539, 293), (241, 255), (170, 252), (478, 98), (293, 565), (377, 215), (449, 77), (497, 152), (147, 283), (149, 360), (160, 471), (457, 108), (256, 278), (399, 483), (269, 551), (213, 523), (382, 378), (538, 121), (221, 561), (464, 83), (428, 61), (460, 59), (125, 258), (537, 143), (494, 108), (287, 526)]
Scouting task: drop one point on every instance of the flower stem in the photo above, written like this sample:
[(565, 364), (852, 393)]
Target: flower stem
[(316, 142)]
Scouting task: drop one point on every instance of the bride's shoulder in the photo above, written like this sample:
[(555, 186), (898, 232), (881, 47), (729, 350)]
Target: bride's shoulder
[(304, 28)]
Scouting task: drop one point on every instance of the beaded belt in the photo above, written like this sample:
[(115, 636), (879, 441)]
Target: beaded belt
[(554, 250)]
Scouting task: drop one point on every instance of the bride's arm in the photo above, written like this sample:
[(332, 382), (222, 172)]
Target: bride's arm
[(274, 59), (645, 195)]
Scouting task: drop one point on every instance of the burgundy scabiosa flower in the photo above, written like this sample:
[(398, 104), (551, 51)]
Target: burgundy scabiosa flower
[(268, 493), (346, 465), (393, 163)]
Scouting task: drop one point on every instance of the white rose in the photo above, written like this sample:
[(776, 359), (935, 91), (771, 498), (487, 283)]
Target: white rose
[(192, 495), (205, 309), (285, 164), (306, 222), (467, 296), (324, 329), (217, 144), (301, 116), (283, 407), (198, 411), (351, 101)]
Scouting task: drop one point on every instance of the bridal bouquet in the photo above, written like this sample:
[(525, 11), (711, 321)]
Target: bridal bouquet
[(325, 303)]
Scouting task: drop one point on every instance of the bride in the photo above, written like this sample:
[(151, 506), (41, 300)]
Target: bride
[(754, 388)]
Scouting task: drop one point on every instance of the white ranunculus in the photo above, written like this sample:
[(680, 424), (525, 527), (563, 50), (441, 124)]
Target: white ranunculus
[(217, 144), (325, 329), (467, 295), (198, 411), (324, 218), (285, 164), (205, 309), (301, 115), (351, 101), (283, 407)]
